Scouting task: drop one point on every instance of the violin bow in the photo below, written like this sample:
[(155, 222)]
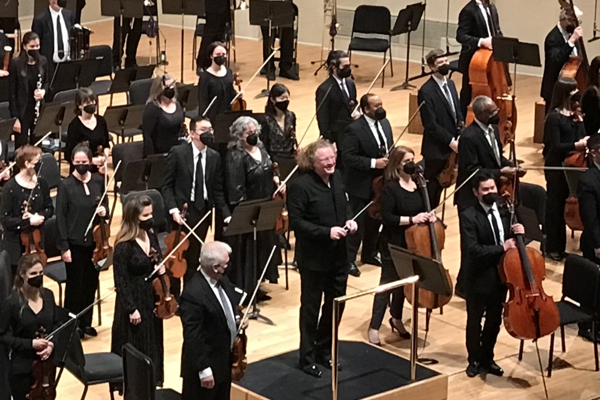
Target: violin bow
[(254, 76), (209, 106), (543, 168), (458, 188), (165, 259), (405, 129), (12, 164), (373, 83), (190, 229), (358, 214), (102, 198)]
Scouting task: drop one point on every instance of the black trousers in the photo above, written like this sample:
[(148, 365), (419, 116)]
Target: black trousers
[(192, 389), (393, 298), (465, 93), (130, 35), (20, 385), (433, 168), (82, 282), (27, 127), (315, 332), (368, 232), (481, 342), (214, 31), (557, 192), (286, 41)]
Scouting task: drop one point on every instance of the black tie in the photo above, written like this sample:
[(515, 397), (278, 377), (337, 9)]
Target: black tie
[(199, 192), (495, 226), (59, 38), (382, 146)]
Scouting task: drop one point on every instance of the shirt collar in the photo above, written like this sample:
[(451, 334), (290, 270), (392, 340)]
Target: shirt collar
[(487, 208), (439, 81), (54, 13), (370, 120), (338, 80), (196, 151), (485, 128), (212, 282)]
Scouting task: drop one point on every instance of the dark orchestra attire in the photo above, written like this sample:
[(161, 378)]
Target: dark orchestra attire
[(249, 179), (279, 143), (396, 202), (161, 129), (23, 81), (474, 24), (560, 134), (557, 51), (19, 325), (286, 44), (186, 168), (210, 86), (131, 34), (75, 205), (78, 133), (11, 214), (208, 308), (440, 128), (590, 107), (80, 6), (314, 208), (336, 112), (54, 30), (131, 266), (482, 235), (218, 22), (365, 141)]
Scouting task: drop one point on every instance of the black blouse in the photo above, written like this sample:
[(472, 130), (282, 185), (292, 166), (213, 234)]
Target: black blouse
[(398, 202), (560, 134), (78, 133), (273, 137), (247, 178), (210, 86), (161, 129)]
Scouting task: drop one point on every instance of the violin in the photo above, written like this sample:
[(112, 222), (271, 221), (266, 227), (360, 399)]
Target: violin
[(44, 375), (577, 66), (32, 239), (177, 264), (165, 304), (101, 234), (240, 361), (283, 222), (239, 104)]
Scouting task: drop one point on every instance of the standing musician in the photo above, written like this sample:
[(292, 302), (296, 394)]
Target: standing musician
[(218, 18), (337, 109), (478, 22), (53, 26), (402, 205), (194, 176), (130, 33), (286, 43), (215, 81), (88, 127), (134, 319), (76, 204), (590, 101), (441, 129), (484, 237), (366, 144), (24, 186), (28, 82), (163, 117), (320, 217), (564, 132), (29, 308), (278, 125), (208, 309), (562, 42)]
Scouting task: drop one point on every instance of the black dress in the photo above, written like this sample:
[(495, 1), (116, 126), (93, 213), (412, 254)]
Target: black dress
[(131, 267), (161, 129), (78, 133), (248, 179), (280, 144), (396, 202), (210, 86)]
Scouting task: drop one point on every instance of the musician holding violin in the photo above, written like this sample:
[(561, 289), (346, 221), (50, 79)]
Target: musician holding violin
[(135, 251), (278, 126), (76, 205)]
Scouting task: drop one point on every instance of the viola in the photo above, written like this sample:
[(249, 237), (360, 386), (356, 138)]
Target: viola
[(177, 264), (240, 361), (165, 305), (374, 209), (448, 175), (32, 239), (239, 104), (283, 222), (101, 235), (44, 375)]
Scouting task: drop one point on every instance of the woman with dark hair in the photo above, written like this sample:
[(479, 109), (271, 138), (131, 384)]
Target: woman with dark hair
[(29, 308), (216, 82), (76, 204), (89, 127), (590, 101), (134, 319), (564, 132), (163, 117), (278, 126), (28, 82)]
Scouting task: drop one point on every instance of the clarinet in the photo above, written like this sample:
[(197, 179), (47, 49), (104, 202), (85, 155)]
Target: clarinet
[(39, 102)]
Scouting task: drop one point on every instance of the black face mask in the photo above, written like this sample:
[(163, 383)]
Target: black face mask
[(380, 114), (489, 198), (570, 29), (207, 138), (494, 120), (410, 168), (82, 169), (220, 60), (36, 281), (252, 139), (345, 72), (90, 109), (444, 69), (169, 92), (282, 105), (34, 53), (147, 224)]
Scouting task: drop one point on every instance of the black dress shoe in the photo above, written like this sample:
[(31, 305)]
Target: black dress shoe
[(80, 333), (289, 73), (312, 370), (555, 256), (327, 363), (587, 335), (376, 261), (268, 72), (354, 271), (473, 369), (88, 330), (492, 368)]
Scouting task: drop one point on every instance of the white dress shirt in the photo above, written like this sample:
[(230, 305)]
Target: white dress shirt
[(496, 214), (196, 152), (65, 35), (342, 84), (491, 139), (483, 10), (567, 36), (373, 124)]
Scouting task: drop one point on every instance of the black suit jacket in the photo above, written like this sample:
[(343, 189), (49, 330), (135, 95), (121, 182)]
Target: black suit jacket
[(475, 152), (438, 123), (336, 112), (471, 28), (217, 6), (359, 148), (206, 336), (480, 255), (42, 25), (556, 54), (588, 192), (19, 84), (177, 184)]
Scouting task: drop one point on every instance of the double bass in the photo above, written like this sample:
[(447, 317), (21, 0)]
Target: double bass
[(577, 67)]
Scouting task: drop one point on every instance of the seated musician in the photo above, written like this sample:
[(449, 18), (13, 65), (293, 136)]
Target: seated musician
[(286, 44), (209, 331), (53, 26), (484, 237)]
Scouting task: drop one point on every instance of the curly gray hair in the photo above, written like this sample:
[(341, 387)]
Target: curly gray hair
[(237, 129)]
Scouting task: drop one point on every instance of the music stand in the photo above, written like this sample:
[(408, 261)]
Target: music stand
[(271, 14), (224, 121), (50, 120), (253, 217), (121, 118), (9, 22), (70, 75), (183, 8), (408, 21), (6, 128), (122, 9), (512, 51), (42, 5)]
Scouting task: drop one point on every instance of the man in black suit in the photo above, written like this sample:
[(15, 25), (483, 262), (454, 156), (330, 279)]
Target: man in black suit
[(53, 26), (441, 118), (194, 176), (320, 217), (484, 237), (337, 109), (130, 33), (562, 42), (366, 143), (218, 22), (477, 24), (208, 309)]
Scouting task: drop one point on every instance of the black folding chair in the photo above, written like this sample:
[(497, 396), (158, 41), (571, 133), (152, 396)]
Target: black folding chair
[(139, 91), (139, 380), (158, 165), (102, 87), (159, 212)]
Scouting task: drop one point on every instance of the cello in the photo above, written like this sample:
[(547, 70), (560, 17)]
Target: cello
[(177, 264), (577, 67), (44, 376)]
